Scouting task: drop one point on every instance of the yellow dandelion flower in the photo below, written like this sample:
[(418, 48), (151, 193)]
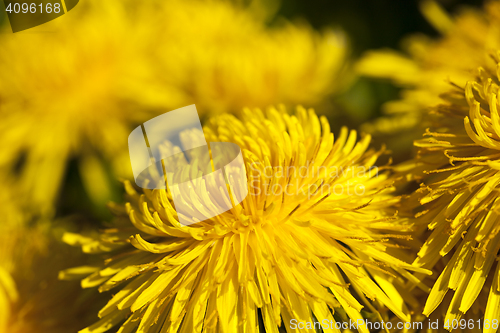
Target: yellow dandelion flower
[(239, 62), (310, 242), (71, 87), (428, 66), (460, 158)]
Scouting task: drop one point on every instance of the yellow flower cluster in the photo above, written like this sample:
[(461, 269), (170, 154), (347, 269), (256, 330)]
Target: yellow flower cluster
[(325, 235)]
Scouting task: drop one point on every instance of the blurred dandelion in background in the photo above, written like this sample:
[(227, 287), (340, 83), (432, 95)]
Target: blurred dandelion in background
[(71, 89)]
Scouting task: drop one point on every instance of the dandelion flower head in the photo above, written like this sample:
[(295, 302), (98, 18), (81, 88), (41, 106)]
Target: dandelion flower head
[(309, 252), (459, 156)]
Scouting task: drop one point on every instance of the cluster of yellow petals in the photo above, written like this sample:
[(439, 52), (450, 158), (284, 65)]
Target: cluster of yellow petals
[(276, 255), (459, 157)]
